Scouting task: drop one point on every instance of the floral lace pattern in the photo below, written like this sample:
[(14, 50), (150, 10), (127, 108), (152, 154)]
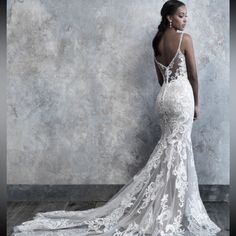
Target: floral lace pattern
[(163, 198)]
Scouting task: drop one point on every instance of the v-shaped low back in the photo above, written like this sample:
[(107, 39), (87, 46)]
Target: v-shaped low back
[(178, 49), (176, 67)]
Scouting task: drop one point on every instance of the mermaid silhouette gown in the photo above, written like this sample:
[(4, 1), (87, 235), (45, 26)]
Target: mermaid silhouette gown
[(163, 198)]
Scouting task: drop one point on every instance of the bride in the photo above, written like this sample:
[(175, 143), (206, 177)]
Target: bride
[(163, 198)]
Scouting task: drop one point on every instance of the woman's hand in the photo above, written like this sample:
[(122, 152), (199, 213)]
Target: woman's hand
[(196, 111)]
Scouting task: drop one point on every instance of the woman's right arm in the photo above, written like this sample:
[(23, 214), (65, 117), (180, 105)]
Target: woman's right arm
[(191, 68)]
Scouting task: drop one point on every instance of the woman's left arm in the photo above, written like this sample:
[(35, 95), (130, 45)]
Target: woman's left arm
[(159, 75)]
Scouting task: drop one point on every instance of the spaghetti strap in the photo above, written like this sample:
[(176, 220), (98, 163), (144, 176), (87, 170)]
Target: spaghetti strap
[(181, 36)]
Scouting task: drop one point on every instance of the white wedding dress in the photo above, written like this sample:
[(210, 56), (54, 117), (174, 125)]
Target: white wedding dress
[(163, 198)]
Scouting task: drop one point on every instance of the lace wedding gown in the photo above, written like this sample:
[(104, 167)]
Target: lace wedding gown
[(162, 199)]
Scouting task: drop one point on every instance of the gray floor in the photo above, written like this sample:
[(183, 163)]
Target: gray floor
[(17, 212)]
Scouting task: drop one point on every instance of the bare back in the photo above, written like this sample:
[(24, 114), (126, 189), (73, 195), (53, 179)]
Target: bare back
[(171, 44), (168, 47)]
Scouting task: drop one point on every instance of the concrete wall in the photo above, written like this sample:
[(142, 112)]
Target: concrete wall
[(82, 86)]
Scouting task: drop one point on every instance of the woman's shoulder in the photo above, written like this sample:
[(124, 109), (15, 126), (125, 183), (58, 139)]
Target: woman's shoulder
[(187, 37), (187, 42)]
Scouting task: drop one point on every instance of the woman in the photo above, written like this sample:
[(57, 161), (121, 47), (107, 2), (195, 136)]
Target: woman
[(163, 198)]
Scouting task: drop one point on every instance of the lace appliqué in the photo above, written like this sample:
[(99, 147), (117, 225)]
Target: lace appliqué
[(163, 198)]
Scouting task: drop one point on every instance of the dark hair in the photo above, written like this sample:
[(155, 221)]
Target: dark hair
[(169, 8)]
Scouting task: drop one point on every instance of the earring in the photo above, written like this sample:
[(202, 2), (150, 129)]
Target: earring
[(170, 24)]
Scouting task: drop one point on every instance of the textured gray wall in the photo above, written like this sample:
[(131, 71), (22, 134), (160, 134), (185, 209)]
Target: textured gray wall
[(82, 86)]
